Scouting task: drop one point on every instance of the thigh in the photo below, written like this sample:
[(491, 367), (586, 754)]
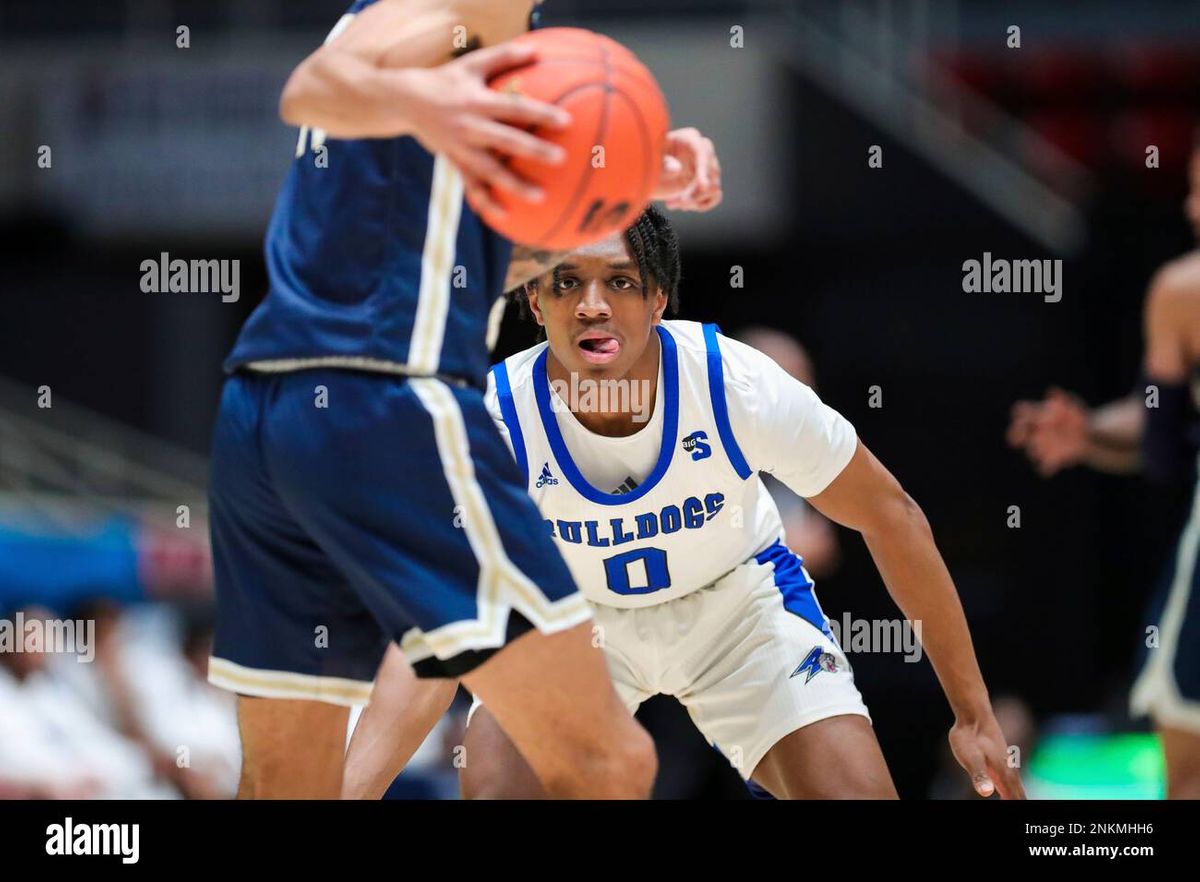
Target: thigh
[(763, 671), (833, 758), (408, 487), (553, 696), (402, 713), (288, 625), (494, 768), (291, 749)]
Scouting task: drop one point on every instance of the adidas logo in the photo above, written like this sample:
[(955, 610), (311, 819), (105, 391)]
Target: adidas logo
[(627, 486), (545, 477)]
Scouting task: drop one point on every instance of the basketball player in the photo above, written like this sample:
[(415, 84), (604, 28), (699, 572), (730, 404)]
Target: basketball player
[(661, 515), (352, 430), (1124, 436)]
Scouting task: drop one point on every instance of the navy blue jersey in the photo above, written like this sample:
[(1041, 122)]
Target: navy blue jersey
[(375, 260)]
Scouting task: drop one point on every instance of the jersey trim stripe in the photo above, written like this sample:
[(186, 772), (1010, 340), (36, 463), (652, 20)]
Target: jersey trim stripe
[(508, 412), (496, 569), (795, 585), (716, 388), (1156, 691), (437, 259), (286, 684), (541, 386)]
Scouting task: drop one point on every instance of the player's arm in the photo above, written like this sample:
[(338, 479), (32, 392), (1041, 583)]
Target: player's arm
[(1062, 431), (785, 429), (1115, 435), (867, 498), (389, 73), (528, 263)]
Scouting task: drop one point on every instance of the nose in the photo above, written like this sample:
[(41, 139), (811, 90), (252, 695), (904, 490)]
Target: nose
[(592, 303)]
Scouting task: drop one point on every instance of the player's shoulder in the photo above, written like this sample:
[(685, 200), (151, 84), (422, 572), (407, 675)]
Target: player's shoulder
[(517, 369), (1179, 277), (739, 361), (1175, 287)]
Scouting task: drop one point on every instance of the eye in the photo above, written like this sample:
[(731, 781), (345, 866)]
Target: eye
[(623, 283), (564, 283)]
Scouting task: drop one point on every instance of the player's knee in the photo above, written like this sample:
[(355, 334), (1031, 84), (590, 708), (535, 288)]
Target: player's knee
[(643, 761), (621, 768)]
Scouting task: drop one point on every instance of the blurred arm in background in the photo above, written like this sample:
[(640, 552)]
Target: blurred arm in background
[(1062, 431)]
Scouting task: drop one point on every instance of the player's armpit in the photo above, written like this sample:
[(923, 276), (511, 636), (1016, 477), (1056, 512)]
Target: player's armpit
[(528, 263)]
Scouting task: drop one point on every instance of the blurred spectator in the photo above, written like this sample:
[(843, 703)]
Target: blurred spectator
[(808, 533), (52, 746), (150, 689)]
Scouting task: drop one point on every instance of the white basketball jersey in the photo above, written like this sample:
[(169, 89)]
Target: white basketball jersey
[(700, 512)]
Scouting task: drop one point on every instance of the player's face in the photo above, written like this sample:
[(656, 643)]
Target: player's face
[(597, 316), (1192, 205)]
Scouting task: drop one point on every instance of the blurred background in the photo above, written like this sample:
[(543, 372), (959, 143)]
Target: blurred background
[(107, 394)]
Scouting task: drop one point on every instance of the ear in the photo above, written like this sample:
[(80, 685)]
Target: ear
[(531, 295), (660, 305)]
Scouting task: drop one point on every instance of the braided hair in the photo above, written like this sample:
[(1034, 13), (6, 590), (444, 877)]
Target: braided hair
[(654, 248)]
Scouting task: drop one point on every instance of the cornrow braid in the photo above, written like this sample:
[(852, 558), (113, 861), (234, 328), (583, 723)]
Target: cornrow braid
[(655, 249)]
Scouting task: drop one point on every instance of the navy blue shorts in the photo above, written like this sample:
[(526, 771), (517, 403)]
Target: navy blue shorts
[(1168, 688), (349, 509)]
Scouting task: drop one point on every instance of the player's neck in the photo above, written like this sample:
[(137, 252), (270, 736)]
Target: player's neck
[(621, 414)]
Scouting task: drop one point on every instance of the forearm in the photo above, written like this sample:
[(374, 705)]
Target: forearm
[(916, 577), (1115, 436), (528, 263), (354, 86), (346, 97)]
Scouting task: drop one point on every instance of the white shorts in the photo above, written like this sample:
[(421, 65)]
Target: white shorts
[(748, 669)]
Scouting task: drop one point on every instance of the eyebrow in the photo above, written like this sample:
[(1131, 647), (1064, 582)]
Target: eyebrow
[(620, 264)]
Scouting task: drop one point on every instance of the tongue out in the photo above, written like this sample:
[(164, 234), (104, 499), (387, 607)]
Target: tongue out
[(601, 346)]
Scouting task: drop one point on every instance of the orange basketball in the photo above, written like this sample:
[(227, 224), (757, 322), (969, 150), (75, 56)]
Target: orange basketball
[(614, 144)]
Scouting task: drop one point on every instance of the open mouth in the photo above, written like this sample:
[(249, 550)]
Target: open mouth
[(600, 349)]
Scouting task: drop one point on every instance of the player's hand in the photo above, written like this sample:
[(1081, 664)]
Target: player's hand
[(691, 173), (453, 112), (1054, 433), (979, 747)]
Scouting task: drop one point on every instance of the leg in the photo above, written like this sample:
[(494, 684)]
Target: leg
[(834, 758), (495, 768), (291, 638), (468, 581), (776, 692), (553, 695), (1181, 747), (402, 712), (291, 749)]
